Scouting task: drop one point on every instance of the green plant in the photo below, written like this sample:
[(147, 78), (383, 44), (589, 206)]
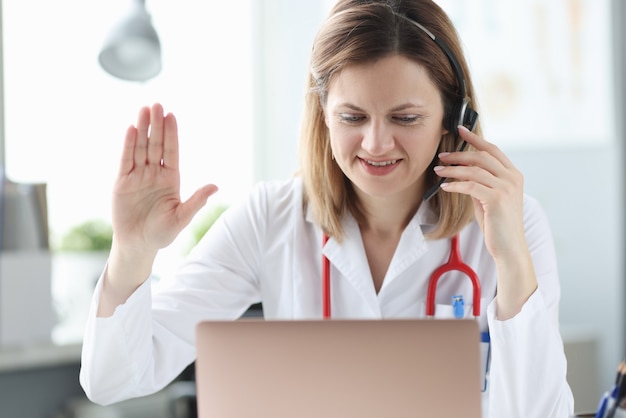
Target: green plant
[(205, 223), (90, 236)]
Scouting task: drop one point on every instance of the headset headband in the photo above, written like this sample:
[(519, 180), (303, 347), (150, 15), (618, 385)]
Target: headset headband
[(467, 116), (455, 63)]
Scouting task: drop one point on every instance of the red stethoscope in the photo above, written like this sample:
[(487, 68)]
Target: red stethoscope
[(454, 263)]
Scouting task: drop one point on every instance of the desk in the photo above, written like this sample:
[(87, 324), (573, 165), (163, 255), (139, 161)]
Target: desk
[(35, 382), (37, 379), (23, 358)]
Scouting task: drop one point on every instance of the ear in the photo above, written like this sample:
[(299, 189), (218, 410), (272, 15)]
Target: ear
[(444, 130), (445, 124)]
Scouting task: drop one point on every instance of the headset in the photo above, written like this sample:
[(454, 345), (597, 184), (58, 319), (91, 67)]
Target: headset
[(462, 113)]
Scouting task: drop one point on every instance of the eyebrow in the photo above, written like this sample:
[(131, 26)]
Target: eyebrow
[(395, 109)]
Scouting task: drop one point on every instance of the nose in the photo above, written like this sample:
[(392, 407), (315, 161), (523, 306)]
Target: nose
[(377, 138)]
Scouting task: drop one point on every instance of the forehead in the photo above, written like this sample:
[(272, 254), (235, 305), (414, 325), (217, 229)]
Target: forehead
[(391, 79)]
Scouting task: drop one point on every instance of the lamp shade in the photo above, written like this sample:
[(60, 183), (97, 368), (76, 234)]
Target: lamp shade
[(132, 50)]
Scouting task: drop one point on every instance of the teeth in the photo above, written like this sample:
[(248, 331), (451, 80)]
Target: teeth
[(381, 163)]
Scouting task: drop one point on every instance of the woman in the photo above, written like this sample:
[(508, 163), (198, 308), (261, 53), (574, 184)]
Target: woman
[(386, 95)]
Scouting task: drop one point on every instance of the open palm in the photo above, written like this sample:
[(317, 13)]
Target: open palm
[(147, 209)]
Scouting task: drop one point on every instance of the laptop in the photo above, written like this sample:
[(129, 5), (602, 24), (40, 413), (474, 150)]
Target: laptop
[(338, 368)]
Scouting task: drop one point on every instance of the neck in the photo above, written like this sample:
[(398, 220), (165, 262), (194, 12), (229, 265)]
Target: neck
[(387, 215)]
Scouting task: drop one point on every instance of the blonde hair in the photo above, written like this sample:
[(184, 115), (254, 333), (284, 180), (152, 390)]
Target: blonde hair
[(360, 31)]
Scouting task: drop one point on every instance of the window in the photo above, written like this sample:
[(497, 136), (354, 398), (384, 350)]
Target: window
[(66, 117)]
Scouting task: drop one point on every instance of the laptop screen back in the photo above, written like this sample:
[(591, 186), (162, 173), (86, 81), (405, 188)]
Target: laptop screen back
[(338, 368)]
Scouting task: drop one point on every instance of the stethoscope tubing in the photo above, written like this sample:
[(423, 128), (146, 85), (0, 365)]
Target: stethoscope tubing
[(455, 262), (326, 313)]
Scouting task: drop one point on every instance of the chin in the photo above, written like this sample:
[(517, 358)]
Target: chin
[(387, 189)]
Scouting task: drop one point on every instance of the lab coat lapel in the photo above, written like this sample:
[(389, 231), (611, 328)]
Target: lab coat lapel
[(412, 245), (349, 260)]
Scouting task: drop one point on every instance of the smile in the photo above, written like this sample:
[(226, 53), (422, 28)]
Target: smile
[(381, 163)]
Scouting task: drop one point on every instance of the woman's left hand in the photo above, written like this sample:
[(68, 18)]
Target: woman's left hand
[(496, 188)]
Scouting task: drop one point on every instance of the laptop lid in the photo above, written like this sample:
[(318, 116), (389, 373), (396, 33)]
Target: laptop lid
[(338, 368)]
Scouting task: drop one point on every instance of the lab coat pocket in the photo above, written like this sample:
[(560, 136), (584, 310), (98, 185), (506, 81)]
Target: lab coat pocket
[(443, 311)]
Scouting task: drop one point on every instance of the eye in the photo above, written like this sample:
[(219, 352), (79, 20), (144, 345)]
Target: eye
[(351, 118), (405, 119)]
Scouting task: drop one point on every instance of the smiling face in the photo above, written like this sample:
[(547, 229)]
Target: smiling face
[(385, 123)]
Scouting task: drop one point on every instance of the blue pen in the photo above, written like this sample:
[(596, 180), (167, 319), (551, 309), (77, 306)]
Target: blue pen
[(602, 406), (606, 402), (619, 392)]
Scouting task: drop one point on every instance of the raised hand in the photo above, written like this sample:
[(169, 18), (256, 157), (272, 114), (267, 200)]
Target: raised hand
[(148, 212), (147, 209)]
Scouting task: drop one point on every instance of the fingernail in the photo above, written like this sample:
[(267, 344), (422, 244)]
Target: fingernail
[(443, 154), (438, 168), (463, 128)]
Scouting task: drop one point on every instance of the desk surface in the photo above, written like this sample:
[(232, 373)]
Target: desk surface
[(21, 358)]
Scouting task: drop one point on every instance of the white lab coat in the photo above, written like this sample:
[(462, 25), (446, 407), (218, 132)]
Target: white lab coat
[(269, 249)]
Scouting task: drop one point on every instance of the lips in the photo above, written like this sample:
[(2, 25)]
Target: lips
[(379, 167), (381, 163)]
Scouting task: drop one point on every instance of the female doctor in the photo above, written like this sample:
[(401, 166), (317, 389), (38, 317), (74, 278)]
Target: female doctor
[(381, 128)]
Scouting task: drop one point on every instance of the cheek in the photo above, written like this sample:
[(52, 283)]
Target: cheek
[(343, 141), (423, 149)]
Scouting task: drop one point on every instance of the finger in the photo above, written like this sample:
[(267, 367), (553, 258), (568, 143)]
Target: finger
[(482, 185), (141, 143), (480, 159), (155, 141), (483, 145), (195, 203), (477, 191), (170, 142), (127, 162), (468, 174)]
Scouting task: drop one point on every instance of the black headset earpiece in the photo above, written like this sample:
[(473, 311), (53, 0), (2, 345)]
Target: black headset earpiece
[(462, 113)]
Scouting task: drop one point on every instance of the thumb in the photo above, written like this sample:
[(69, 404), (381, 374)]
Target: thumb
[(197, 200)]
